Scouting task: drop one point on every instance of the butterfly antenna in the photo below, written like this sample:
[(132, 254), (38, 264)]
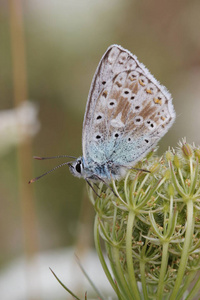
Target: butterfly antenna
[(46, 173), (52, 157), (142, 170)]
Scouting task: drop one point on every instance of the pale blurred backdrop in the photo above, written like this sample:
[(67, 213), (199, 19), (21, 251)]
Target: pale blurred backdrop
[(49, 51)]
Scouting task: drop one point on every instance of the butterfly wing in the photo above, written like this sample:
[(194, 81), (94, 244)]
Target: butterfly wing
[(127, 111)]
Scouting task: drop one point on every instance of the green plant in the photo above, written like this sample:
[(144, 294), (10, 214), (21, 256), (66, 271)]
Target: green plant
[(151, 230)]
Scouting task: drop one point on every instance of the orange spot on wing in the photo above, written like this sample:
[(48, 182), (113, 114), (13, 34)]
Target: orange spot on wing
[(141, 82), (157, 101), (148, 91), (131, 77)]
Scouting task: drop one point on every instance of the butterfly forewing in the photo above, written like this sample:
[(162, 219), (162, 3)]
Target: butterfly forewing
[(127, 112)]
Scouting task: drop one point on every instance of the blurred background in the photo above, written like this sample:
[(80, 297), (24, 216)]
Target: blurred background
[(49, 51)]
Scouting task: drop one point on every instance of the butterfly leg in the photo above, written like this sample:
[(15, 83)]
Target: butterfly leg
[(96, 185), (142, 170), (86, 179), (108, 186)]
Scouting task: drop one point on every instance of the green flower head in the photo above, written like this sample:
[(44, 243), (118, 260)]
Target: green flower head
[(150, 226)]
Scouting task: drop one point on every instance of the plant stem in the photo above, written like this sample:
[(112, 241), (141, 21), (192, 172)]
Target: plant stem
[(185, 251), (188, 281), (163, 269), (120, 274), (133, 282), (102, 260), (122, 292), (194, 290), (144, 286)]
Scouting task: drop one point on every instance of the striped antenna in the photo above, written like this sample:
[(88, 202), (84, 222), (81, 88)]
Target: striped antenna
[(52, 157), (46, 173)]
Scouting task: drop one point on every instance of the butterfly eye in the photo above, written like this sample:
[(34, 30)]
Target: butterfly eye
[(78, 167)]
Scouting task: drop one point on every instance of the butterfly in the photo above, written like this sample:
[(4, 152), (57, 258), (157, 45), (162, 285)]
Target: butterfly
[(127, 113)]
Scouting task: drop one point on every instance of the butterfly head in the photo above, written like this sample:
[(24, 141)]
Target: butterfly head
[(77, 167)]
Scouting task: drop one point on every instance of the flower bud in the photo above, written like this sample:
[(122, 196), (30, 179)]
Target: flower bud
[(155, 167), (167, 174), (177, 161), (197, 153), (171, 190), (169, 155), (187, 151)]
